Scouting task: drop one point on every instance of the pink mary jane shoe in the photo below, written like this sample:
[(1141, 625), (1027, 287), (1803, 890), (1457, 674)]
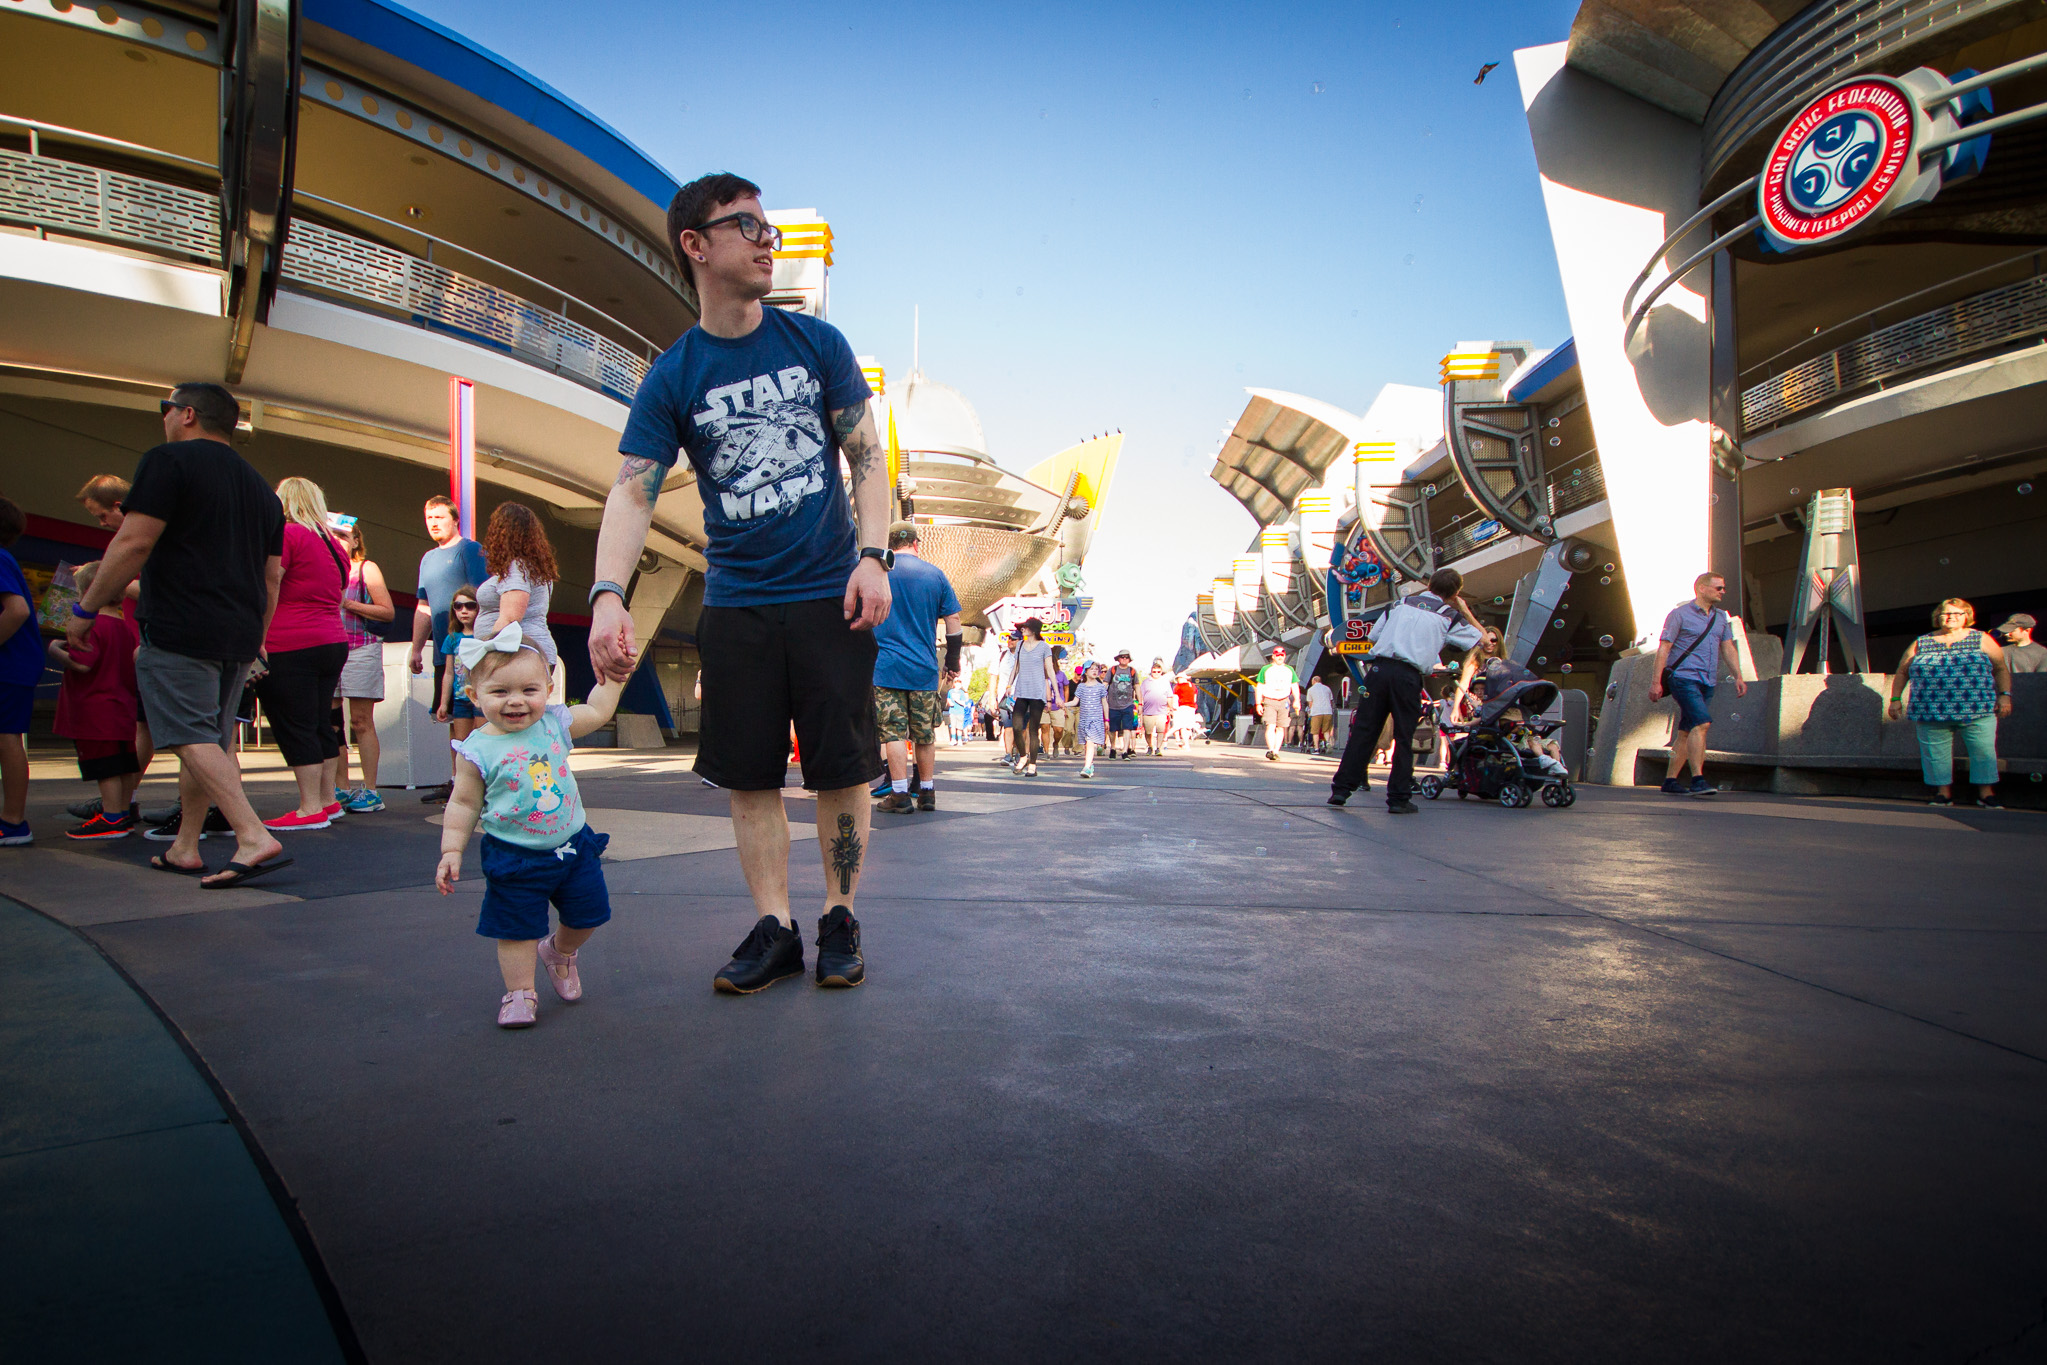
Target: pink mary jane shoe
[(518, 1009), (561, 971)]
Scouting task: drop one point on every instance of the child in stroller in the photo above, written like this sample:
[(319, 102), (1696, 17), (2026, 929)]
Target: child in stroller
[(1503, 755)]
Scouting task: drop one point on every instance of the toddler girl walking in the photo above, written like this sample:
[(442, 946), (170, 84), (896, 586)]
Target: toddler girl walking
[(512, 775)]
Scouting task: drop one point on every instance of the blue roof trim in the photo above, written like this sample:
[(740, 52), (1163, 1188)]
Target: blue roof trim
[(443, 52), (1554, 366)]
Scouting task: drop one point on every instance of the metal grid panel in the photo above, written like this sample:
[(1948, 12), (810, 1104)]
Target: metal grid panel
[(70, 198), (435, 296), (1997, 317)]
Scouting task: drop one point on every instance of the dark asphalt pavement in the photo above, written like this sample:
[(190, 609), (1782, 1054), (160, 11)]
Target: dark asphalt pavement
[(1179, 1064)]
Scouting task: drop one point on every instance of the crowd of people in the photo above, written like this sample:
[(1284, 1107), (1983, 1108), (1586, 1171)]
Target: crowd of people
[(219, 597), (221, 602)]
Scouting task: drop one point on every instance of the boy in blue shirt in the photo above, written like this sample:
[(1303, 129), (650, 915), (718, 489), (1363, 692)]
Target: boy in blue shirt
[(764, 403)]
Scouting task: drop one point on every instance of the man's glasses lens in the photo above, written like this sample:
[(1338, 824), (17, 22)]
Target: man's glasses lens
[(755, 230)]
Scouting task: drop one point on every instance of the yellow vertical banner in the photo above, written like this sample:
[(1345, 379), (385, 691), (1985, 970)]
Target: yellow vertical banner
[(895, 453)]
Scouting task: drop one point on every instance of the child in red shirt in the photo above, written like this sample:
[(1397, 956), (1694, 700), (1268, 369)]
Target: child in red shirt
[(96, 712)]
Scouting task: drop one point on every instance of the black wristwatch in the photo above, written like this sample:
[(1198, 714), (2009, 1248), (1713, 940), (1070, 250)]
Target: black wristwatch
[(887, 557)]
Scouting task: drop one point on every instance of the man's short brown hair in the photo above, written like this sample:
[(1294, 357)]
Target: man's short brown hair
[(1446, 583), (693, 204), (108, 490), (442, 500), (1707, 577), (901, 534)]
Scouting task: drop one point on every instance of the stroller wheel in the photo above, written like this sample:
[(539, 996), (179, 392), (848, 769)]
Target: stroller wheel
[(1552, 796), (1432, 787), (1566, 794), (1513, 796)]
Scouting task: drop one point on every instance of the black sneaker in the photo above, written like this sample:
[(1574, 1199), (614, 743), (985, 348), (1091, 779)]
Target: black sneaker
[(1674, 786), (769, 953), (1400, 808), (84, 810), (1701, 787), (927, 798), (160, 814), (216, 823), (1337, 798), (1939, 800), (838, 949), (1989, 803), (168, 830)]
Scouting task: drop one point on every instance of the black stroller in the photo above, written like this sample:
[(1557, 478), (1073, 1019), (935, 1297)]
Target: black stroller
[(1484, 762)]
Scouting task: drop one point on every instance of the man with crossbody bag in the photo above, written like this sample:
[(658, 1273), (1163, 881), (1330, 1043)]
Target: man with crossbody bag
[(1686, 671)]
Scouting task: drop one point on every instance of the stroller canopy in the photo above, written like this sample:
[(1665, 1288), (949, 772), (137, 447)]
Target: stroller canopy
[(1532, 698)]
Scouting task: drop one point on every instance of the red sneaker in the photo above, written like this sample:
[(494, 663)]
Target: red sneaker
[(293, 820)]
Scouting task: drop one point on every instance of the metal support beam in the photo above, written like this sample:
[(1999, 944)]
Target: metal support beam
[(259, 103), (1497, 448)]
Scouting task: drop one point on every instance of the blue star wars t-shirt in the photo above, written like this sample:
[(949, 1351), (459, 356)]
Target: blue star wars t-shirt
[(754, 416)]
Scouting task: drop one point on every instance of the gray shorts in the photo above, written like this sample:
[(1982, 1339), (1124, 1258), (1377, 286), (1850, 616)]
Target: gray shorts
[(189, 701), (363, 675)]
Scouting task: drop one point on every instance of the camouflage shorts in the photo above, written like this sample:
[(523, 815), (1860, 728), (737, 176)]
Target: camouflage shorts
[(901, 714)]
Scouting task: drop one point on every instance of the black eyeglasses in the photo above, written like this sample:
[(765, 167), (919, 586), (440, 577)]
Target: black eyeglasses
[(756, 230)]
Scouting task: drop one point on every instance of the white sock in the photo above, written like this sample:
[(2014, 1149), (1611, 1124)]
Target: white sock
[(902, 786), (930, 783)]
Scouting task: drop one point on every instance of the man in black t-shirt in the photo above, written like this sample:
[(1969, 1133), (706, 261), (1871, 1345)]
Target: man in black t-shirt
[(207, 536)]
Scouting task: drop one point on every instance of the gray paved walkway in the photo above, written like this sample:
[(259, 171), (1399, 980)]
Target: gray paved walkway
[(1177, 1064)]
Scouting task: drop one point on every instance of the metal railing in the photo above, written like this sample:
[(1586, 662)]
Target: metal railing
[(1577, 482), (1995, 319), (90, 202)]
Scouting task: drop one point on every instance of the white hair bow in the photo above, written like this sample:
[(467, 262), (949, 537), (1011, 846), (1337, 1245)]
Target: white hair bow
[(506, 641)]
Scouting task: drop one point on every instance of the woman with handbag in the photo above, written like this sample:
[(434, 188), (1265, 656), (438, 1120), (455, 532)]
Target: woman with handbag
[(296, 673)]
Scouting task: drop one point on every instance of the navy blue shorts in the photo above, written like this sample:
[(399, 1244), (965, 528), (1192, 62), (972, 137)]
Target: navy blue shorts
[(520, 882), (16, 703), (461, 708), (1694, 703), (1122, 718)]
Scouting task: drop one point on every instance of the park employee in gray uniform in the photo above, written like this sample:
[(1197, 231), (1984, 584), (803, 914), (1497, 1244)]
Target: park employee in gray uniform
[(1407, 643)]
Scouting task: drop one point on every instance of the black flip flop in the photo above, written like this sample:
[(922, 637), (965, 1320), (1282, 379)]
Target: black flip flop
[(242, 872), (163, 864)]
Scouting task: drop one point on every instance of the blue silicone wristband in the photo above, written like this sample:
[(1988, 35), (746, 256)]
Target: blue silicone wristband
[(82, 614)]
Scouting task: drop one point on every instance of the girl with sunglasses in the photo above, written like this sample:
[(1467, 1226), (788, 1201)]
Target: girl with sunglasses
[(456, 710)]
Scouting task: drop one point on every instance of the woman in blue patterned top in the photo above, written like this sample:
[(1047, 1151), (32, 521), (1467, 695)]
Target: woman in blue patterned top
[(1961, 686)]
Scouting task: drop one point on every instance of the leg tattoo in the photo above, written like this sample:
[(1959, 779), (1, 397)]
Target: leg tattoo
[(846, 855)]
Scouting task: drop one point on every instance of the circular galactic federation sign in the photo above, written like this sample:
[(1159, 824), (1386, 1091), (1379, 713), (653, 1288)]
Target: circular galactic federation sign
[(1840, 163)]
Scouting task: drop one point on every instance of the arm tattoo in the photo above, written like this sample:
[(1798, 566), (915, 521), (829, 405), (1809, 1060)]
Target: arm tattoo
[(846, 855), (845, 420), (648, 474), (860, 452)]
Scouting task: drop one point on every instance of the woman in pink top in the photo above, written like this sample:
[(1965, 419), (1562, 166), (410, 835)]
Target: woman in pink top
[(302, 657)]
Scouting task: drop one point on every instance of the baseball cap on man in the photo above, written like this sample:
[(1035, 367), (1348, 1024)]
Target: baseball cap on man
[(2019, 619)]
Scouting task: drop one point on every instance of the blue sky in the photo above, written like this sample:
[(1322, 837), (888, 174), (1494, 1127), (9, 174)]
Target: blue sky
[(1111, 217)]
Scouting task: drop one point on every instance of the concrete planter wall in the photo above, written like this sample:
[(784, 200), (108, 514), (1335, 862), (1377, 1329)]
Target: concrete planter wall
[(1802, 733)]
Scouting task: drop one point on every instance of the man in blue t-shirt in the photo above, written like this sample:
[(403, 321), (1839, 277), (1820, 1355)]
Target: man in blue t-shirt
[(906, 676), (764, 403), (455, 562), (1695, 638)]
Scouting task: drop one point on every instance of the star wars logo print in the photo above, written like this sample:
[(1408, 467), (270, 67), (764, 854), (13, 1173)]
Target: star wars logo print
[(767, 443)]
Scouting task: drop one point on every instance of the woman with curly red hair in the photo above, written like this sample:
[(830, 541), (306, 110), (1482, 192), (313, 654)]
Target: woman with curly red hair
[(522, 578)]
